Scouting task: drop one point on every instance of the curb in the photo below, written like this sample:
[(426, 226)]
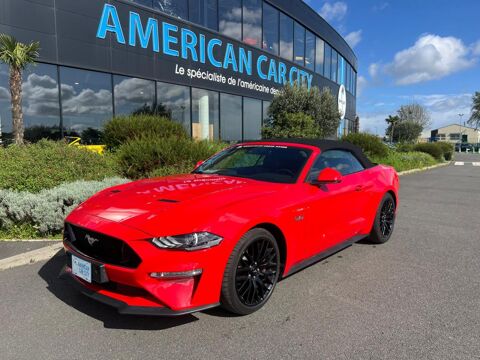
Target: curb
[(31, 240), (413, 171), (30, 257)]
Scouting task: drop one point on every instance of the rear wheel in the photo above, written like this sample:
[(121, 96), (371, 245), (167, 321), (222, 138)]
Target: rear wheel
[(384, 220), (252, 272)]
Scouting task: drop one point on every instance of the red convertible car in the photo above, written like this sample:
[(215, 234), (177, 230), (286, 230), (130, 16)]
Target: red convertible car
[(226, 233)]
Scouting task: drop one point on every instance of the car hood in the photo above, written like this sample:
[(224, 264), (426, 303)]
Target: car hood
[(146, 204)]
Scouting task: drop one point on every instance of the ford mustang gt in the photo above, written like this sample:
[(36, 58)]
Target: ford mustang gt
[(226, 233)]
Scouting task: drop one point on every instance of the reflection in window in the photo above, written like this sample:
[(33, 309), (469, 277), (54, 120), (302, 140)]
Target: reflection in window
[(133, 96), (286, 37), (310, 51), (86, 102), (270, 28), (299, 45), (40, 103), (148, 3), (266, 106), (334, 65), (204, 114), (230, 18), (354, 83), (319, 55), (348, 77), (252, 22), (204, 12), (230, 117), (173, 101), (175, 8), (252, 119), (341, 70), (328, 61)]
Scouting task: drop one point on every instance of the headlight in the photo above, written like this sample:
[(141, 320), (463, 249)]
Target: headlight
[(193, 241)]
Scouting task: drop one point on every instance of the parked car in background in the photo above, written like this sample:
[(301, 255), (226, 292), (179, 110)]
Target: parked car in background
[(464, 147), (226, 233)]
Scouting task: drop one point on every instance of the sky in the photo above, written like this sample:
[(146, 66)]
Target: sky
[(423, 51)]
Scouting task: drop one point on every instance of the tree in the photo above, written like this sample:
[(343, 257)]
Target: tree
[(392, 121), (405, 131), (475, 117), (17, 56), (292, 125), (415, 113), (320, 106)]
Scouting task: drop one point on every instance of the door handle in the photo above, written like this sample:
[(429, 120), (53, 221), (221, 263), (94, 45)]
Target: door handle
[(359, 188)]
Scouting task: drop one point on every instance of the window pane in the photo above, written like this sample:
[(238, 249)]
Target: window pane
[(334, 65), (270, 28), (286, 37), (319, 54), (266, 106), (252, 119), (341, 70), (132, 95), (299, 47), (175, 8), (40, 103), (174, 102), (328, 61), (252, 22), (204, 114), (347, 77), (230, 18), (341, 160), (148, 3), (310, 51), (230, 117), (204, 12), (86, 102), (354, 83)]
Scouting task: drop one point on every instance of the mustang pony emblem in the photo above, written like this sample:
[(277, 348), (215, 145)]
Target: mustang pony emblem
[(91, 240)]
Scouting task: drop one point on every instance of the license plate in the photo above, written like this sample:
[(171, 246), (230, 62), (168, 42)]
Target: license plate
[(82, 269)]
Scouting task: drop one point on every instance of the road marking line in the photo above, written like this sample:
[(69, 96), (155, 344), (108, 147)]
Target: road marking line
[(476, 163), (30, 257), (461, 163)]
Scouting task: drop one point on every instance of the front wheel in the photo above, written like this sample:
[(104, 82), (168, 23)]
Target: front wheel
[(384, 220), (251, 273)]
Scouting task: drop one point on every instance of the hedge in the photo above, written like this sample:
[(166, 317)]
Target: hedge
[(433, 149), (402, 161), (47, 164), (370, 144)]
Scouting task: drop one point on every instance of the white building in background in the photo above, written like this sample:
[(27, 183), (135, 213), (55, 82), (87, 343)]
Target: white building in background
[(456, 133)]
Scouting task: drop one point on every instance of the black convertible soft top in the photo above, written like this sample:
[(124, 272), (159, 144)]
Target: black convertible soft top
[(325, 145)]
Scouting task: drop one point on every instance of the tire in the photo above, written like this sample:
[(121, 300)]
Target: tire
[(384, 220), (251, 273)]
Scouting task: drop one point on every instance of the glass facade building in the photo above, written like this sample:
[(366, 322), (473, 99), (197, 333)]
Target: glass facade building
[(211, 65)]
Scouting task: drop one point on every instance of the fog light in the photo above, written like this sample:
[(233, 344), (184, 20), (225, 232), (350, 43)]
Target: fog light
[(176, 274)]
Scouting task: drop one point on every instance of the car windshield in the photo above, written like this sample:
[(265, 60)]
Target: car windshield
[(279, 164)]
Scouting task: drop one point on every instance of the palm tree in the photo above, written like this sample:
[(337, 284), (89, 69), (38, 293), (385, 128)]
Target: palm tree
[(475, 117), (17, 56), (392, 121)]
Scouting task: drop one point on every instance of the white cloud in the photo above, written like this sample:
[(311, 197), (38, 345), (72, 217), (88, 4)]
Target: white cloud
[(431, 57), (373, 123), (373, 70), (333, 11), (380, 7), (361, 85), (4, 94), (354, 38), (476, 48)]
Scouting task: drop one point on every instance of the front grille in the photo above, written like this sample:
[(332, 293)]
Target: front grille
[(101, 247)]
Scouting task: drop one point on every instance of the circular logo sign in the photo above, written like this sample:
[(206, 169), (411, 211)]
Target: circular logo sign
[(342, 101)]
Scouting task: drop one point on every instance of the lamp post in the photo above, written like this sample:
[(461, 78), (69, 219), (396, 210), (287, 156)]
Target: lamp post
[(460, 141)]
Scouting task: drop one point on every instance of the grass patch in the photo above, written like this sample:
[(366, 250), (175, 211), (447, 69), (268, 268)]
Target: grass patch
[(25, 232), (403, 161)]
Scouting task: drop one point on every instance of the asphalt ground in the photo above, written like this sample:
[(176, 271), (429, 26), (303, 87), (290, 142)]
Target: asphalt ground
[(10, 248), (415, 297)]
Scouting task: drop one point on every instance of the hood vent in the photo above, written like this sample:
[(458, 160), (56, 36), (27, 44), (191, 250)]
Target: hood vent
[(168, 200)]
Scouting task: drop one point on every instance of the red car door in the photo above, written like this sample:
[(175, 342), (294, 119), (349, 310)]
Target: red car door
[(335, 211)]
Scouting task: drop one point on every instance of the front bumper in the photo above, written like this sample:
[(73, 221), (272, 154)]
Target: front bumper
[(135, 290)]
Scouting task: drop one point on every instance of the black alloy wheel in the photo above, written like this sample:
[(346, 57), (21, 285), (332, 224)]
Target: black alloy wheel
[(384, 220), (251, 273)]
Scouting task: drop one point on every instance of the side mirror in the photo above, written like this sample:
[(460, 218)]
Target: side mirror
[(199, 163), (328, 176)]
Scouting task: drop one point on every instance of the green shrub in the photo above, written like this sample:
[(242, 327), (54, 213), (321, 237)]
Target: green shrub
[(447, 148), (140, 157), (47, 164), (405, 147), (45, 211), (370, 144), (433, 149), (121, 129), (292, 125), (402, 161)]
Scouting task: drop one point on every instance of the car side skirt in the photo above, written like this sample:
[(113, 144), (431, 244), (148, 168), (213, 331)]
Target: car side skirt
[(322, 255)]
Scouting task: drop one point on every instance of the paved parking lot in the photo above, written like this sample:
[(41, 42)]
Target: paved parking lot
[(416, 297)]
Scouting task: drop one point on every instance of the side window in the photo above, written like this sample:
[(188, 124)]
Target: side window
[(341, 160)]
